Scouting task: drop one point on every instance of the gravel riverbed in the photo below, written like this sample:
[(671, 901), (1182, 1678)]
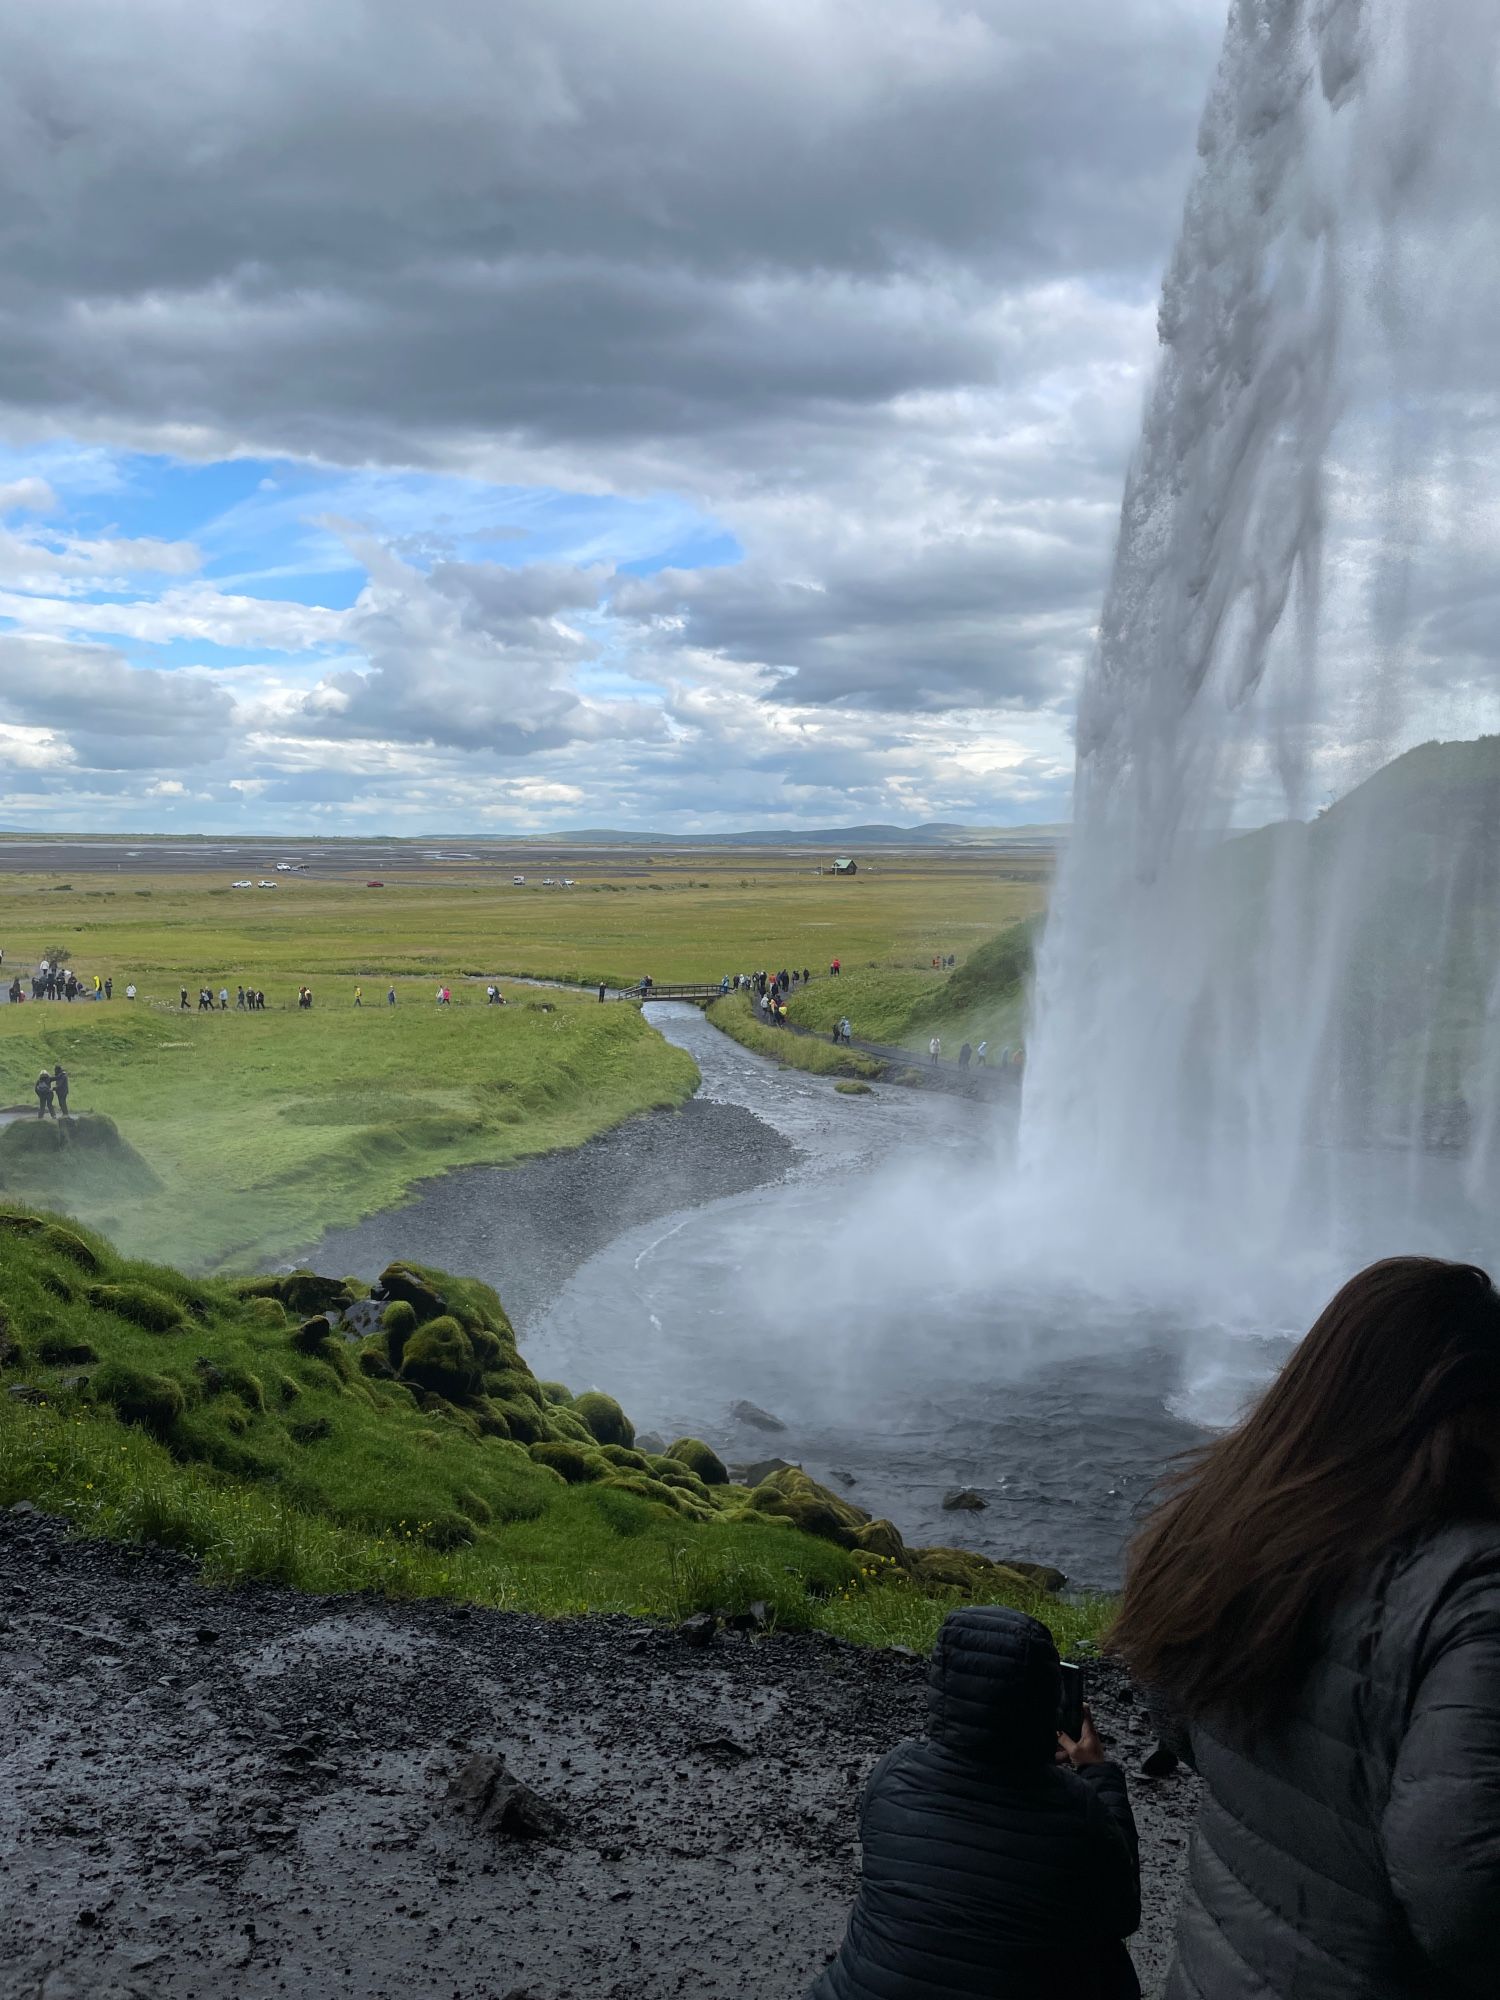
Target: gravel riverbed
[(245, 1793)]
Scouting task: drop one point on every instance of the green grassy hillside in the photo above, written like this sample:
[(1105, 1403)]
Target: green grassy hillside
[(983, 998), (295, 1429), (241, 1136)]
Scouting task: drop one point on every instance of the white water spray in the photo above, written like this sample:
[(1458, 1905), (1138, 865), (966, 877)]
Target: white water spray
[(1227, 1028)]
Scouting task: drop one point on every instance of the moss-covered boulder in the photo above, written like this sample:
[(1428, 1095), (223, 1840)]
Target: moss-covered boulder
[(440, 1356), (412, 1288), (523, 1418), (627, 1460), (700, 1458), (140, 1304), (645, 1488), (398, 1323), (314, 1336), (373, 1360), (797, 1498), (606, 1421), (265, 1312), (1042, 1575), (962, 1569), (67, 1244), (882, 1538), (153, 1401), (556, 1392), (577, 1465)]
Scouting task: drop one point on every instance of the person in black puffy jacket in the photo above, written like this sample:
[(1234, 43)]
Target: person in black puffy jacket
[(991, 1871), (1318, 1599)]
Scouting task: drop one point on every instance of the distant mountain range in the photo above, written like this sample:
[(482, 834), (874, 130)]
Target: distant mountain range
[(846, 839)]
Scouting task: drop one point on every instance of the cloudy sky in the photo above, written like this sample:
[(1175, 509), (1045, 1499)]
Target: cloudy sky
[(503, 414)]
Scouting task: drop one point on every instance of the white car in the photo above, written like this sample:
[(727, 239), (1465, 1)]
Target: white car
[(242, 885), (263, 885), (518, 881)]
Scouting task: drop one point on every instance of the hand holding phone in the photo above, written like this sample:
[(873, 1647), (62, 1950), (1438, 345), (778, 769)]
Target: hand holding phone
[(1070, 1710)]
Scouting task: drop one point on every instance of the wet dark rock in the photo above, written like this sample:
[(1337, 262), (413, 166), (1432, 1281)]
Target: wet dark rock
[(699, 1629), (501, 1803), (358, 1321), (1160, 1762), (755, 1417), (964, 1500), (649, 1441), (26, 1392), (843, 1475)]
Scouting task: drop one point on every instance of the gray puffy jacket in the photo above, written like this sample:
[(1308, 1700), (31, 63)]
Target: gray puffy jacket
[(988, 1872), (1354, 1850)]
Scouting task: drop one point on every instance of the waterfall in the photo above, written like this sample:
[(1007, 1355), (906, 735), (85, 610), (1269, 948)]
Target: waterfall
[(1228, 1022)]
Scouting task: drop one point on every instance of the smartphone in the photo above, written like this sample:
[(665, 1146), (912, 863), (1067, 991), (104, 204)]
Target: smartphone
[(1070, 1714)]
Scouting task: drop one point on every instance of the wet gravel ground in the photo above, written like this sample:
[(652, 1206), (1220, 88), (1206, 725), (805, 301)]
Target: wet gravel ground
[(245, 1793), (537, 1222)]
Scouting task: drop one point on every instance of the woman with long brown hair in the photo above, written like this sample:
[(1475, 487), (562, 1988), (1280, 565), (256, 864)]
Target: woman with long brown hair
[(1317, 1599)]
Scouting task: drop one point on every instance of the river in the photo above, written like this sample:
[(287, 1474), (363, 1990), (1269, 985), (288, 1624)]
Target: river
[(833, 1260)]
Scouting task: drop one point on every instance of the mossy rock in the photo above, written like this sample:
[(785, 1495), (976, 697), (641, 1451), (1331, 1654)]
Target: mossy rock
[(604, 1418), (810, 1507), (671, 1473), (578, 1466), (510, 1383), (373, 1359), (155, 1402), (644, 1488), (287, 1389), (64, 1350), (489, 1418), (881, 1538), (310, 1430), (314, 1336), (524, 1420), (306, 1292), (256, 1288), (556, 1393), (853, 1089), (140, 1305), (475, 1506), (24, 1225), (400, 1282), (567, 1426), (964, 1570), (627, 1460), (266, 1312), (489, 1350), (702, 1459), (398, 1323), (1042, 1575), (59, 1286), (66, 1244), (440, 1357)]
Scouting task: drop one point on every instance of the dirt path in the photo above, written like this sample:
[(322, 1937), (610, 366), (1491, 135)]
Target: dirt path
[(245, 1793)]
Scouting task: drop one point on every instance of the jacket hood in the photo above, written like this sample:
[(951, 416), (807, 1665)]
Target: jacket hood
[(993, 1688)]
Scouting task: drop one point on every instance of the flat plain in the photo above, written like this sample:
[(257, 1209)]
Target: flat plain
[(242, 1136)]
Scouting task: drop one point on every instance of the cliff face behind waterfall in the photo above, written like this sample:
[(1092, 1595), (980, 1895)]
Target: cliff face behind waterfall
[(1410, 861)]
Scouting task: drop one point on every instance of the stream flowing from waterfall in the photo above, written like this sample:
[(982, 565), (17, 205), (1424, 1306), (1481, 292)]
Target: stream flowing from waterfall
[(1226, 1023)]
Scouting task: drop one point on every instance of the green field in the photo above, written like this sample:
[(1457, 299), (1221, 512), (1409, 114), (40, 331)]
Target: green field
[(418, 1457), (682, 921), (243, 1136)]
